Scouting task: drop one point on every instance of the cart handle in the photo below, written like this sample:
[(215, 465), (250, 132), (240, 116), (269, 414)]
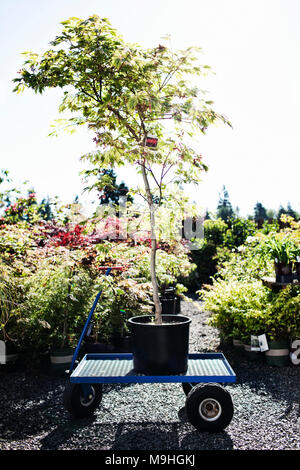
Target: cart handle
[(108, 270)]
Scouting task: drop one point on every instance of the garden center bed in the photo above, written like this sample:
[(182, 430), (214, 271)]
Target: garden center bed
[(145, 416)]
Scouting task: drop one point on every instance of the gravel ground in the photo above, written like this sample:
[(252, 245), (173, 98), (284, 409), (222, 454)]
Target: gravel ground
[(152, 416)]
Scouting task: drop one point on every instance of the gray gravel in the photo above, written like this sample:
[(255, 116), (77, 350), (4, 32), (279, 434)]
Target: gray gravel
[(152, 416)]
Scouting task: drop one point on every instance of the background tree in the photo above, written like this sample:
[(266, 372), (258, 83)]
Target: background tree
[(271, 214), (7, 193), (260, 214), (109, 191), (291, 211), (123, 93), (45, 209), (224, 208)]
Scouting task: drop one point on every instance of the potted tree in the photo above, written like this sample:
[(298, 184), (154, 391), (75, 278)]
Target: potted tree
[(144, 110)]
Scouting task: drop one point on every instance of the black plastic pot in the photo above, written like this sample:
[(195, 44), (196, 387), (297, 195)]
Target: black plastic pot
[(170, 306), (168, 292), (160, 349), (297, 270), (283, 272)]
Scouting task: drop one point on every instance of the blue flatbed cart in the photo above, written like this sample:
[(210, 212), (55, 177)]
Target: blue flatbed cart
[(208, 404)]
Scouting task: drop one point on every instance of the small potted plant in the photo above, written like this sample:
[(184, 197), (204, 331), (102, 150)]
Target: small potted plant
[(283, 250), (282, 323)]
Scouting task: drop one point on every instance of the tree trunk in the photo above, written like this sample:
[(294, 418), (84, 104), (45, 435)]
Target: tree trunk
[(157, 304)]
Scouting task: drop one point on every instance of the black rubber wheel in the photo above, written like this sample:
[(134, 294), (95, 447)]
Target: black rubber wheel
[(209, 407), (75, 402), (187, 387)]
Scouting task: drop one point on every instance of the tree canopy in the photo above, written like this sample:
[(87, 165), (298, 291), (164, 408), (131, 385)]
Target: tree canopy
[(122, 92)]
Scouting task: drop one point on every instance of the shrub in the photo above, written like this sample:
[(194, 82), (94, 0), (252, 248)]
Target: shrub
[(218, 241), (240, 230), (241, 306), (283, 316), (215, 231), (238, 308), (10, 299), (121, 299), (55, 303)]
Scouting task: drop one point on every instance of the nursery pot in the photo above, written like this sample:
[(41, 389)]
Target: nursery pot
[(283, 272), (8, 353), (169, 292), (169, 305), (61, 360), (237, 343), (160, 349), (278, 353), (297, 270), (254, 356)]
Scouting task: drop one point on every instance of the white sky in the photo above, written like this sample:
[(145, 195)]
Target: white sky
[(253, 48)]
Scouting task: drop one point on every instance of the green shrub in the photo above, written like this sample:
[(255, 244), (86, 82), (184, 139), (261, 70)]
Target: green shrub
[(121, 299), (243, 263), (283, 316), (238, 308), (241, 305), (10, 300), (56, 299), (215, 231), (240, 230), (219, 240), (205, 260)]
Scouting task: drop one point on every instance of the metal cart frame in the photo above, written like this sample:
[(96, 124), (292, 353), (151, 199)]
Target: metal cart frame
[(208, 405)]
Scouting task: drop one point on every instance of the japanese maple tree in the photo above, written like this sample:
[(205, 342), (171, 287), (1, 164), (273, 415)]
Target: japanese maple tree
[(123, 93)]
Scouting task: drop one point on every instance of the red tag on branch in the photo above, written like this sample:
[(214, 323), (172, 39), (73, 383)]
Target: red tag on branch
[(151, 141)]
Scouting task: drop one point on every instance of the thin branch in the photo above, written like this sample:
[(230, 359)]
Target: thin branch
[(168, 169), (170, 74), (88, 94), (117, 113)]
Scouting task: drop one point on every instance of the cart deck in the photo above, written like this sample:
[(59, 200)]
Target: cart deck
[(118, 368)]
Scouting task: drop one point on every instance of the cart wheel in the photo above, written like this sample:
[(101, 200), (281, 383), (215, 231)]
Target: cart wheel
[(79, 405), (209, 407), (187, 386)]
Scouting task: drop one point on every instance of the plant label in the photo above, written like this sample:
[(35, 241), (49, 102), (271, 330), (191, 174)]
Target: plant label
[(254, 343), (2, 353), (151, 141), (295, 352), (263, 343)]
